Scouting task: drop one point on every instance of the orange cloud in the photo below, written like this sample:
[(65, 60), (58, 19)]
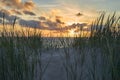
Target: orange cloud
[(28, 5), (17, 7), (13, 11), (7, 12), (29, 13)]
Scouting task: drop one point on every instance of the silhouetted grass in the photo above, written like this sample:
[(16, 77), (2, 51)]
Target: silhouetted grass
[(105, 35), (21, 52)]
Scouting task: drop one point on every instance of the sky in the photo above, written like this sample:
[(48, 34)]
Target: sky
[(56, 15)]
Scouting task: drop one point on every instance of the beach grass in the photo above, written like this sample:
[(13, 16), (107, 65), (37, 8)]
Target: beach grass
[(96, 57)]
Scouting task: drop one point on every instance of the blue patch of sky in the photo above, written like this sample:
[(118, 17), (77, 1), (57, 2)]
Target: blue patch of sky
[(104, 5)]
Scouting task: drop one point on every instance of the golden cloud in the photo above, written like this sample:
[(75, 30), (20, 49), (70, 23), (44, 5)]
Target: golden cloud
[(28, 5), (12, 11)]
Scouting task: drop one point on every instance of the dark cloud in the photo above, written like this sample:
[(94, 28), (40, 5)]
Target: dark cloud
[(42, 23), (50, 25), (16, 12), (29, 13), (42, 18), (56, 26), (79, 25), (59, 21), (4, 11), (73, 26), (58, 17), (10, 18), (29, 23), (79, 14), (7, 17), (47, 25)]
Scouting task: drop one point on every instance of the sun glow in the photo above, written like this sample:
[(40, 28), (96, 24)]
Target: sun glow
[(73, 32)]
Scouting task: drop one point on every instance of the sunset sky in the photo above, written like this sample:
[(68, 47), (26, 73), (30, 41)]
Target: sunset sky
[(56, 16)]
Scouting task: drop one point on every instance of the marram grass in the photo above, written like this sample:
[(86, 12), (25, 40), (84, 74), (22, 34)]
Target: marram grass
[(21, 52)]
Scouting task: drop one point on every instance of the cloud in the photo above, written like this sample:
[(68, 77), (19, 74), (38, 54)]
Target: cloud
[(54, 20), (13, 11), (79, 14), (28, 5), (29, 13), (18, 7), (5, 12), (59, 20), (50, 25), (46, 25), (42, 18), (79, 26), (42, 23), (29, 23), (7, 17), (66, 15)]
